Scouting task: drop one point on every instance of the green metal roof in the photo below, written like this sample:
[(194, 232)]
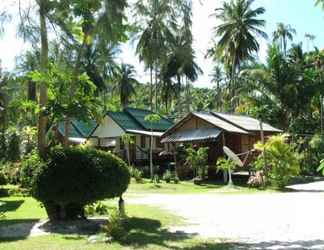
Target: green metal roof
[(73, 132), (78, 129), (140, 114), (124, 120), (134, 119), (84, 127)]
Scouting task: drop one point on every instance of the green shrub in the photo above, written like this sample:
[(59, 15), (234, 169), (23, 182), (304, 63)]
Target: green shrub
[(29, 165), (28, 139), (278, 161), (156, 179), (10, 190), (136, 174), (11, 171), (3, 179), (76, 176), (114, 227), (312, 152), (13, 144), (197, 160), (167, 177), (227, 166), (97, 208), (176, 180)]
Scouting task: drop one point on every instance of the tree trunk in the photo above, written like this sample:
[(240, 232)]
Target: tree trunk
[(187, 95), (156, 88), (151, 156), (42, 119), (151, 87)]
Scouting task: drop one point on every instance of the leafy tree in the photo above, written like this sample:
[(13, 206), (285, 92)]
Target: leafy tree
[(238, 34), (84, 103), (282, 35), (125, 83)]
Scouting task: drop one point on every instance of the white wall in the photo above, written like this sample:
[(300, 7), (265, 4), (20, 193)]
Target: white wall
[(108, 129)]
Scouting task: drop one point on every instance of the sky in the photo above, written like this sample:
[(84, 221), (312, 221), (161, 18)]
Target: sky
[(300, 14)]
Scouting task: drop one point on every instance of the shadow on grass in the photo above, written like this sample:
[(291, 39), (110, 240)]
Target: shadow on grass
[(82, 227), (10, 206), (143, 232), (16, 229), (293, 245)]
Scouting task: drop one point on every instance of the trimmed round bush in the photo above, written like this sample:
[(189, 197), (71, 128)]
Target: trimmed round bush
[(74, 177)]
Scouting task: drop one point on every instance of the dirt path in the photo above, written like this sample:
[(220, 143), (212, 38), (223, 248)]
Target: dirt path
[(293, 220)]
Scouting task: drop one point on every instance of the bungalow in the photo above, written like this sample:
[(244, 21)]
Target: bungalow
[(130, 121), (79, 131), (215, 130)]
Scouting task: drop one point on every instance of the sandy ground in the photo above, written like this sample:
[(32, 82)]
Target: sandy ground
[(292, 220)]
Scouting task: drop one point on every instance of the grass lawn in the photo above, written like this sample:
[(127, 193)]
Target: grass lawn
[(146, 229), (188, 187)]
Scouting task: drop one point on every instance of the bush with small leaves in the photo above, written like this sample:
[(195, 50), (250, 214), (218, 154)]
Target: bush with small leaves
[(167, 177), (136, 174), (77, 176), (97, 208), (114, 227), (11, 171), (29, 165)]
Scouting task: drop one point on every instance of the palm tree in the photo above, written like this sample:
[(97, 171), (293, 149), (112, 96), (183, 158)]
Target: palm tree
[(218, 78), (238, 33), (282, 34), (180, 62), (125, 83), (155, 35), (320, 2), (310, 40), (281, 87)]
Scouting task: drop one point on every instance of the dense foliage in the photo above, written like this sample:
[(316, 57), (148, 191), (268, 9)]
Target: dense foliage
[(278, 161), (74, 177), (196, 158)]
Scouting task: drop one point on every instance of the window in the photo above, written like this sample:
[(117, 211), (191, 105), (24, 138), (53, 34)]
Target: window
[(121, 145), (143, 141)]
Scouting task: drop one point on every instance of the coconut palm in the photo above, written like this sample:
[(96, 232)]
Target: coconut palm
[(155, 35), (125, 83), (310, 38), (180, 63), (320, 3), (238, 32), (282, 34)]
